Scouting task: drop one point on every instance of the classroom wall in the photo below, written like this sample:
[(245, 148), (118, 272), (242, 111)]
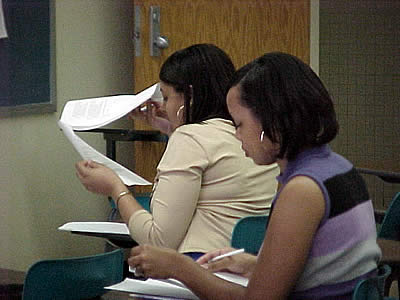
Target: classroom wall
[(38, 187), (359, 63)]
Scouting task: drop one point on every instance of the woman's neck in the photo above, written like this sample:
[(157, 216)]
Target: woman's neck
[(282, 163)]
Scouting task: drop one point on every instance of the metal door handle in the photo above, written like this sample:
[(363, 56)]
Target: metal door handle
[(157, 41), (161, 42)]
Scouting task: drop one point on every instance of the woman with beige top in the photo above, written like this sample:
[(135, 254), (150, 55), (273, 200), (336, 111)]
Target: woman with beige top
[(204, 182)]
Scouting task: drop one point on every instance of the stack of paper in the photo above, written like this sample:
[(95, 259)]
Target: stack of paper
[(168, 287), (96, 227), (86, 114)]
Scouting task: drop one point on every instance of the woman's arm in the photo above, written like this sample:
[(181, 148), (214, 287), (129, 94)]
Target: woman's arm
[(294, 221), (175, 197), (174, 200)]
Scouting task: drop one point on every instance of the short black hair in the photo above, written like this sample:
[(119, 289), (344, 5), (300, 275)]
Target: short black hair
[(201, 72), (290, 101)]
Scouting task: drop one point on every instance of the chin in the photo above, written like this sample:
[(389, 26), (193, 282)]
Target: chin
[(256, 161), (263, 161)]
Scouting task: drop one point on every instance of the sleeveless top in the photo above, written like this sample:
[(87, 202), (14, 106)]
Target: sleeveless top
[(344, 248)]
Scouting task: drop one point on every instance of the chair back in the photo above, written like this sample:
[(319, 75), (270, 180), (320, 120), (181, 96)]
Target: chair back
[(249, 233), (73, 278), (372, 288), (390, 228)]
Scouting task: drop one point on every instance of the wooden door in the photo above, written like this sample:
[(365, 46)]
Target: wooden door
[(245, 29)]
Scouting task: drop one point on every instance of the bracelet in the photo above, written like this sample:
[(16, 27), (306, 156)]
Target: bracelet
[(120, 195)]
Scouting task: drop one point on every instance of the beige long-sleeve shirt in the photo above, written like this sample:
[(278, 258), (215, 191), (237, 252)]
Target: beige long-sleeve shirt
[(204, 184)]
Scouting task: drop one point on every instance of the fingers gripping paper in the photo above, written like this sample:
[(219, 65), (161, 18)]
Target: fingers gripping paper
[(91, 113)]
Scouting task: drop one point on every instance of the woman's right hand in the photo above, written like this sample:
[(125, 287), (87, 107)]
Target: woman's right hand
[(242, 264), (153, 113)]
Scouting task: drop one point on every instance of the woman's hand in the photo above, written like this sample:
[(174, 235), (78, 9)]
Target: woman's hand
[(98, 179), (242, 264), (204, 259), (156, 262), (154, 114)]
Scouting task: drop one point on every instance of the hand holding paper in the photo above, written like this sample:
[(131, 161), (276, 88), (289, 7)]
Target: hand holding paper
[(98, 179), (86, 114), (90, 113)]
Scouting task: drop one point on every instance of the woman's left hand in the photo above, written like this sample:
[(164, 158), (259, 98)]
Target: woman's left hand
[(156, 262), (97, 178)]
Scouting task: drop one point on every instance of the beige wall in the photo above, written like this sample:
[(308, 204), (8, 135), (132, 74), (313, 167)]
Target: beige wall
[(38, 187)]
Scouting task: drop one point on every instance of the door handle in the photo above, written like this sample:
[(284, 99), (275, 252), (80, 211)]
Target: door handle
[(157, 42), (161, 42)]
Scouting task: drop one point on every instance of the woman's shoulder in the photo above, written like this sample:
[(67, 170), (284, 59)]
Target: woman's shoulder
[(210, 127), (213, 136)]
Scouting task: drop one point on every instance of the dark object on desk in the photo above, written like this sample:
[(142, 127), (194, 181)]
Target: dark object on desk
[(73, 278), (11, 284)]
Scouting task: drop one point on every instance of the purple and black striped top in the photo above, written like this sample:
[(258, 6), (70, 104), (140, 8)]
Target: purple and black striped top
[(344, 248)]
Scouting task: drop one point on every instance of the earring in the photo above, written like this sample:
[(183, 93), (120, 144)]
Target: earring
[(179, 110), (262, 136)]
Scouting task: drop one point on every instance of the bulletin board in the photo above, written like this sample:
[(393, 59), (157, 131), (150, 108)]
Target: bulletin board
[(27, 57)]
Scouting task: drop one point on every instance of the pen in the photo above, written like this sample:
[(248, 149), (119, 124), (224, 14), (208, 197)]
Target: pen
[(227, 254)]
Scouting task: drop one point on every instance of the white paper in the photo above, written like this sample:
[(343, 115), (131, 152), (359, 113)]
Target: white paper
[(90, 113), (153, 287), (169, 287), (3, 30), (89, 153), (233, 278), (96, 227)]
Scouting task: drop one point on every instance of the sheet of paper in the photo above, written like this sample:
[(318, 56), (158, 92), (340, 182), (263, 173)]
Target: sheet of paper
[(90, 113), (96, 227), (89, 153), (233, 278), (153, 287), (169, 287), (223, 275)]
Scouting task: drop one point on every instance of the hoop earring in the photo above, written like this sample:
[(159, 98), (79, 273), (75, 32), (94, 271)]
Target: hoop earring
[(179, 111), (262, 136)]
